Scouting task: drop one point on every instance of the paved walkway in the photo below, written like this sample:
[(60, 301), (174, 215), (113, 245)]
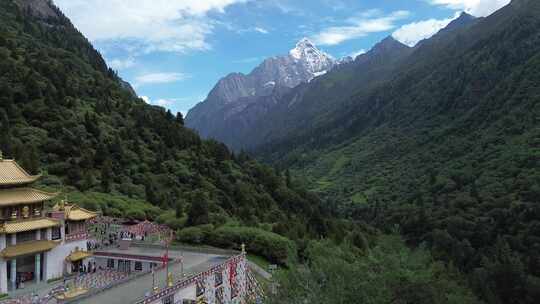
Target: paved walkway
[(136, 289), (260, 271)]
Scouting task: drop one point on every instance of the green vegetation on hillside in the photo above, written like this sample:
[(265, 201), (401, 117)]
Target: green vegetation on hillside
[(448, 149), (388, 272), (65, 114)]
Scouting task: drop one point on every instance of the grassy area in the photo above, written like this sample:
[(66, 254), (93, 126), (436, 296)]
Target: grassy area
[(359, 198), (260, 261)]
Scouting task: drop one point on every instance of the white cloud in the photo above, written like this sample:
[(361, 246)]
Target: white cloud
[(355, 54), (359, 26), (164, 102), (146, 99), (479, 8), (175, 104), (412, 33), (156, 78), (122, 64), (147, 25), (160, 102), (261, 30)]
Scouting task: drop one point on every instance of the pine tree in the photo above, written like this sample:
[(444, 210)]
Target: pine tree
[(179, 208), (107, 176), (199, 211), (180, 118), (288, 179)]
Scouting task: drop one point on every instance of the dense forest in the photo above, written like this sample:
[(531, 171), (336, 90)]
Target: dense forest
[(458, 177), (446, 148), (66, 115)]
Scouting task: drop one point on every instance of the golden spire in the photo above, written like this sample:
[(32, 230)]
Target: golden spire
[(26, 212), (170, 280)]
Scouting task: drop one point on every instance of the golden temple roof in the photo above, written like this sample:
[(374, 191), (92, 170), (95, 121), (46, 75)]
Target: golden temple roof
[(28, 225), (13, 174), (19, 196), (70, 294), (74, 212), (27, 248), (78, 255)]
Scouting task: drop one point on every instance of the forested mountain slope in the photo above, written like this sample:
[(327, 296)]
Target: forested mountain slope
[(448, 148), (64, 113)]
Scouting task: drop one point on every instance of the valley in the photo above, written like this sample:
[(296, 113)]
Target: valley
[(407, 174)]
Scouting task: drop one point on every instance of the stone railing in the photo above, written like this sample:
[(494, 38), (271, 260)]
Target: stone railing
[(183, 247), (76, 236), (185, 282)]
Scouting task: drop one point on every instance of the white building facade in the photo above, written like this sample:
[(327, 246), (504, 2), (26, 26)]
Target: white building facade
[(36, 245)]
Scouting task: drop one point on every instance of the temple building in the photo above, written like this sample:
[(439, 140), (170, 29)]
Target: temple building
[(36, 245)]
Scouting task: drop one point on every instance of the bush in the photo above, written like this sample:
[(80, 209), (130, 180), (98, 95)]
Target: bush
[(194, 235), (276, 248)]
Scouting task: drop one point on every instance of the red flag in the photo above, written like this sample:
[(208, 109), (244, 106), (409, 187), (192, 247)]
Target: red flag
[(165, 259)]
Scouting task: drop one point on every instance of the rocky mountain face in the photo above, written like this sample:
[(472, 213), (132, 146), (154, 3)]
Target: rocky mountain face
[(445, 146), (245, 111), (275, 75), (40, 8)]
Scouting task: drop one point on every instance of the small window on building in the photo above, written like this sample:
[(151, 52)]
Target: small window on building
[(168, 300), (56, 235), (138, 266), (110, 263), (26, 236)]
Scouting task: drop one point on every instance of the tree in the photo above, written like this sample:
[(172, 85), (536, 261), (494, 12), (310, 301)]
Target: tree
[(107, 176), (179, 208), (180, 118), (150, 191), (199, 211), (31, 161), (288, 179)]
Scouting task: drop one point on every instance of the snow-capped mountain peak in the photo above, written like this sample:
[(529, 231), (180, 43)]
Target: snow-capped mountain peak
[(311, 57), (304, 47)]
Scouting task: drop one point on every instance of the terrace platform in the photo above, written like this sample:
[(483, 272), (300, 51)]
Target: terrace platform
[(135, 289)]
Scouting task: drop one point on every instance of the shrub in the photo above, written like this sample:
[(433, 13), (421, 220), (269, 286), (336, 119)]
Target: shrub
[(194, 235), (274, 247)]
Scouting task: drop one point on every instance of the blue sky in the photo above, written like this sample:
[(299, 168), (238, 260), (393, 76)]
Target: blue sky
[(174, 51)]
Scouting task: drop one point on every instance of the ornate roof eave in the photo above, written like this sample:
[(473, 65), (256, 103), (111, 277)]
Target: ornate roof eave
[(74, 212), (26, 248), (28, 225), (21, 196), (15, 169), (78, 255)]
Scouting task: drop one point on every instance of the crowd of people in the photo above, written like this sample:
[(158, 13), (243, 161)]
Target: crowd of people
[(105, 232), (83, 268)]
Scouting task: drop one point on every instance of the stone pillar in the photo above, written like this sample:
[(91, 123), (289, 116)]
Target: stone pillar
[(13, 274), (37, 272), (3, 267), (2, 241), (44, 262), (13, 264), (3, 276), (63, 231)]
